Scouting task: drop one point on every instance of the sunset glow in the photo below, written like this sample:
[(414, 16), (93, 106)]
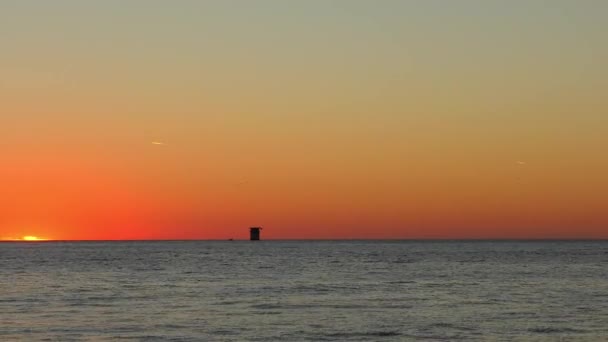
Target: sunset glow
[(197, 120), (24, 238)]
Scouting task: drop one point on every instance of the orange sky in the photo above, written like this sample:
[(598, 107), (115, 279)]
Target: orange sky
[(316, 120)]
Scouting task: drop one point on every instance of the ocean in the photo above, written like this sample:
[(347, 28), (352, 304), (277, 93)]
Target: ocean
[(304, 291)]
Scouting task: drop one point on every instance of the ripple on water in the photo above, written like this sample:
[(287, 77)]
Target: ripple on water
[(555, 330), (304, 291)]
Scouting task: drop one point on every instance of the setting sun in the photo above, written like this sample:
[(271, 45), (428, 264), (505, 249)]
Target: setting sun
[(31, 238)]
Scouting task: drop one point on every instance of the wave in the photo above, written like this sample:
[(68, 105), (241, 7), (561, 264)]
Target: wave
[(555, 330)]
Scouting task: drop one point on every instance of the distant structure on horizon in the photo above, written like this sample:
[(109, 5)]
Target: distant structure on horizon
[(254, 233)]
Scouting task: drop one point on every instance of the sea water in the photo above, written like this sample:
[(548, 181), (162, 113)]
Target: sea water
[(304, 291)]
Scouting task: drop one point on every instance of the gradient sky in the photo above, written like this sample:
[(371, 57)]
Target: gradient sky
[(314, 119)]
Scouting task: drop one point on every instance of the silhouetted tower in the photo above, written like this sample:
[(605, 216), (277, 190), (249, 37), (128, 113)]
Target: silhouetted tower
[(254, 233)]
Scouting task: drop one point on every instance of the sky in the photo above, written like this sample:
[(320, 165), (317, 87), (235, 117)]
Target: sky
[(151, 119)]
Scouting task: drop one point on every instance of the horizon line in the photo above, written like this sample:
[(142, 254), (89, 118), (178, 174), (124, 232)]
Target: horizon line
[(312, 239)]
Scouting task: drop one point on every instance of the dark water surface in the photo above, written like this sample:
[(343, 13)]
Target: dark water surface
[(304, 291)]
